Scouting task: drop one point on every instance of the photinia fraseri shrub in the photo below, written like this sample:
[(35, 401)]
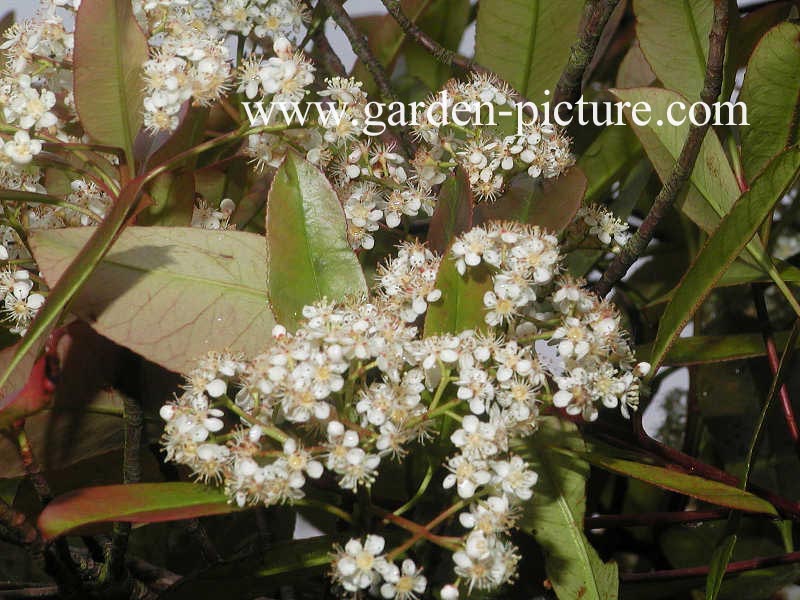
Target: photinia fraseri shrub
[(273, 328)]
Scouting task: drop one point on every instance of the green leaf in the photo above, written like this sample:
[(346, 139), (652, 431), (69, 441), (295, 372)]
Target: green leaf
[(110, 49), (713, 180), (131, 503), (308, 255), (554, 517), (723, 246), (527, 42), (170, 294), (771, 92), (677, 481), (659, 25), (461, 305), (719, 562), (550, 205), (708, 349), (607, 159), (454, 212)]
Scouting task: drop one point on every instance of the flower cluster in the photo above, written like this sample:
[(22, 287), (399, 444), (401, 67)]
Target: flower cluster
[(355, 385), (598, 223), (19, 303)]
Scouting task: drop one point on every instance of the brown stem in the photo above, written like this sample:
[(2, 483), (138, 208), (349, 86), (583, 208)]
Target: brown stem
[(688, 156), (774, 362), (360, 46), (734, 567), (569, 86), (327, 55)]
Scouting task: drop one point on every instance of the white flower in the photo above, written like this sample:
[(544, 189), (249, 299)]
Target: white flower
[(359, 565), (22, 148), (406, 583), (466, 475)]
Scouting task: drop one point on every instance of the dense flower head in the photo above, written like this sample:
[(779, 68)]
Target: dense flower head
[(356, 386)]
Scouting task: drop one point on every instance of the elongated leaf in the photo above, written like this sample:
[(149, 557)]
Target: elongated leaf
[(308, 256), (707, 349), (712, 177), (110, 49), (550, 205), (527, 42), (719, 562), (132, 503), (454, 212), (170, 294), (73, 279), (771, 92), (555, 516), (461, 305), (682, 483), (679, 66), (723, 247)]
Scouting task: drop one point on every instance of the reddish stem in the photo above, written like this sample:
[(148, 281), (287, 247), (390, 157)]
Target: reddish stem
[(734, 567)]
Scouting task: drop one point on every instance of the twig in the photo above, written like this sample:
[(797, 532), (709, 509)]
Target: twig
[(327, 55), (688, 156), (360, 46), (439, 52), (653, 518), (774, 361), (114, 566), (734, 567), (210, 554), (568, 88), (32, 468)]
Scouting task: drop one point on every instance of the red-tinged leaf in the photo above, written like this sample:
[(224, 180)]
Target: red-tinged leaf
[(73, 278), (35, 395), (110, 49), (131, 503), (211, 285), (722, 248), (453, 215), (308, 255), (461, 305), (770, 91), (550, 205)]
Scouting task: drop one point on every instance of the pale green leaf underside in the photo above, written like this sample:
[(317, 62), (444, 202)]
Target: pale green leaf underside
[(170, 293)]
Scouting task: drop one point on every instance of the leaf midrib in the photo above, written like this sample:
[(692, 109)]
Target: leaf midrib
[(531, 46), (698, 45), (575, 534)]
